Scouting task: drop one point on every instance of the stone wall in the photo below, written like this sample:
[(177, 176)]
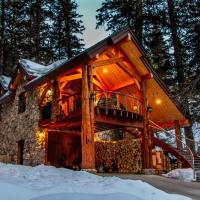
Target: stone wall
[(23, 126)]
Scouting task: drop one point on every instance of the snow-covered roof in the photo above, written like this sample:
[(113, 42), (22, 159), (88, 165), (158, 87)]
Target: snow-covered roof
[(4, 81), (35, 69), (5, 96)]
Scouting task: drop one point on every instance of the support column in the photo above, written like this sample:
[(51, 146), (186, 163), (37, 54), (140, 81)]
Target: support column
[(178, 134), (55, 110), (87, 128), (145, 135)]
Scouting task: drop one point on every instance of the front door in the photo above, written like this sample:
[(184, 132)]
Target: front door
[(20, 152), (64, 149)]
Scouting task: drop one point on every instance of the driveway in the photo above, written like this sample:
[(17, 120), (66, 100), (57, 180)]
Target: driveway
[(173, 186)]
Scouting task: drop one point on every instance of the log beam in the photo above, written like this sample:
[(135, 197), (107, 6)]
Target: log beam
[(123, 85), (109, 61), (87, 128)]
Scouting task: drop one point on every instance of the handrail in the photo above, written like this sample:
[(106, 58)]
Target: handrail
[(162, 129), (117, 100), (120, 93)]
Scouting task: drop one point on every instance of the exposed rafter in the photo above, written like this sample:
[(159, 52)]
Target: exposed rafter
[(126, 69), (123, 85), (109, 61)]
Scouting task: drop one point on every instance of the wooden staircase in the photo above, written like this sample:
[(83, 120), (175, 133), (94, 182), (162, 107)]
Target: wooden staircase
[(183, 153)]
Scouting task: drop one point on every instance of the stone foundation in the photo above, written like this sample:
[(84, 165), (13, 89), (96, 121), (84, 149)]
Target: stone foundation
[(23, 126)]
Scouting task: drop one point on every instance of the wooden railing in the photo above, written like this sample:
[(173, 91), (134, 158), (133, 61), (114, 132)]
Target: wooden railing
[(69, 104), (118, 101), (102, 99)]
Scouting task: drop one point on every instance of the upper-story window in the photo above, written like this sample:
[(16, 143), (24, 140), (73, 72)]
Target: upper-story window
[(22, 102)]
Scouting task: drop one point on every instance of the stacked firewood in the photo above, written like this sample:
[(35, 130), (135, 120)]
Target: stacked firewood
[(122, 156)]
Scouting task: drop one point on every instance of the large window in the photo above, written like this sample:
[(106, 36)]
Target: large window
[(22, 102)]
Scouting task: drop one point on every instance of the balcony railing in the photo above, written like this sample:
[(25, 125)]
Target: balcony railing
[(102, 99), (118, 101)]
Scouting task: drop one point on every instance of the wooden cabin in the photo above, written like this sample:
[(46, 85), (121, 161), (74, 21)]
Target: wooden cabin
[(109, 86)]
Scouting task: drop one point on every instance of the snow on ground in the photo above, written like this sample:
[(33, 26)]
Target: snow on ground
[(181, 174), (50, 183)]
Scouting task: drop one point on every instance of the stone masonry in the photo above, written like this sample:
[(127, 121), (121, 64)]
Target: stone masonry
[(23, 126)]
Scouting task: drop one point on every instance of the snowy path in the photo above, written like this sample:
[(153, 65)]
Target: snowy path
[(172, 186), (49, 183)]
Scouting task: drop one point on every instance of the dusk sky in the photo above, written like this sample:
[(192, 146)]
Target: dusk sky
[(88, 9)]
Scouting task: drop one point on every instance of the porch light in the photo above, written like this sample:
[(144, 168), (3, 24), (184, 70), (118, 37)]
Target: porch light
[(158, 101), (149, 109), (105, 70), (49, 92)]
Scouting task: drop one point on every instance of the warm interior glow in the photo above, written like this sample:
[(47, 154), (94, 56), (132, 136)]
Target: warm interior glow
[(105, 70), (158, 101)]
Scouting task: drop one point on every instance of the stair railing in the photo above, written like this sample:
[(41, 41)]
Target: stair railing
[(197, 145), (184, 146)]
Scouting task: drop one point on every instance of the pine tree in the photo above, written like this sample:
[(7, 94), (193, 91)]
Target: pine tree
[(67, 28), (40, 30), (116, 14)]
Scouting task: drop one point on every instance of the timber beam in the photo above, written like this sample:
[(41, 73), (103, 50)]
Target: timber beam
[(109, 61)]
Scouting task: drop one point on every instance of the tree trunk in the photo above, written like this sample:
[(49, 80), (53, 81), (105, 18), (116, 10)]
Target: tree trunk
[(178, 59), (37, 25), (176, 42), (67, 9), (2, 41), (138, 20)]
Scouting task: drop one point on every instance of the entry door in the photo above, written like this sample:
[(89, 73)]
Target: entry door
[(64, 150), (55, 149), (20, 152)]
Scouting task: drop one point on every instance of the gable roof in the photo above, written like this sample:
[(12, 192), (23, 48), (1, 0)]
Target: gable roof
[(91, 52), (41, 74), (83, 57)]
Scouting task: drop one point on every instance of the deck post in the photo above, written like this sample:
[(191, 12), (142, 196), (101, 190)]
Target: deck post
[(87, 128), (178, 134), (55, 104), (145, 135)]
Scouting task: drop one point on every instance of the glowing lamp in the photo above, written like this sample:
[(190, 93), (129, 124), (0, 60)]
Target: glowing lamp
[(105, 70), (49, 92), (158, 101)]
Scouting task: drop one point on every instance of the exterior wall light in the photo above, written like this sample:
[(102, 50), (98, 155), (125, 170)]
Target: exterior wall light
[(149, 109)]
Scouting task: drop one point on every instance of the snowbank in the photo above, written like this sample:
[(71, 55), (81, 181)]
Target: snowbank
[(181, 174), (50, 183)]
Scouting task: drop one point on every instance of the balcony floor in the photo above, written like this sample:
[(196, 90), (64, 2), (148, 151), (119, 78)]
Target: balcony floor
[(105, 119)]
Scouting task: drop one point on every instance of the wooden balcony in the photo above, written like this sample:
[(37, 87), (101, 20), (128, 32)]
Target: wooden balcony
[(112, 110)]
